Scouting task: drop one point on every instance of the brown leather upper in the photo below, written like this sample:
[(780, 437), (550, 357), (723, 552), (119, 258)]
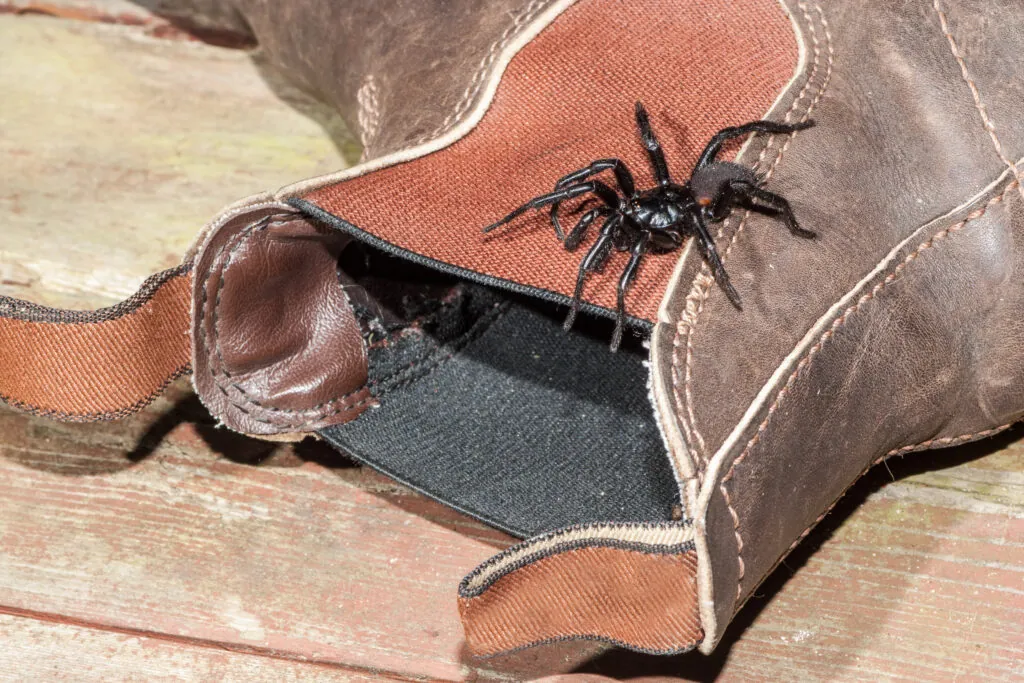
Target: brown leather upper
[(895, 330), (400, 72), (277, 347)]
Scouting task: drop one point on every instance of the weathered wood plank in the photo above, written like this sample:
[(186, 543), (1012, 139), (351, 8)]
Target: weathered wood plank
[(37, 650), (117, 147), (328, 563)]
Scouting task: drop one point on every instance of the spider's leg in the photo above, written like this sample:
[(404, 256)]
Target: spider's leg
[(654, 151), (760, 199), (604, 193), (594, 260), (579, 232), (706, 245), (628, 275), (597, 187), (622, 176), (726, 134), (602, 256)]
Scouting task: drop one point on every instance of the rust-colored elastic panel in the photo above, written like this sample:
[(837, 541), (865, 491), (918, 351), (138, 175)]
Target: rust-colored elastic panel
[(644, 601), (101, 365), (567, 99)]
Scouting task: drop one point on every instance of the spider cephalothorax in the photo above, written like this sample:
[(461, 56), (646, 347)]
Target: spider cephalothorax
[(660, 219)]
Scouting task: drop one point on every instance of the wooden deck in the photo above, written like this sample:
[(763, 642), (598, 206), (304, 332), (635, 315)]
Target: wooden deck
[(163, 548)]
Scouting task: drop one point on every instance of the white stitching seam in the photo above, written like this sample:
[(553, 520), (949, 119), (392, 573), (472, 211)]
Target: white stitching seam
[(986, 121), (828, 334), (703, 282)]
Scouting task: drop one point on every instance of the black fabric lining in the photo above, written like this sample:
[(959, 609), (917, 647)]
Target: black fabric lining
[(330, 219), (25, 310), (525, 428), (488, 406), (397, 375)]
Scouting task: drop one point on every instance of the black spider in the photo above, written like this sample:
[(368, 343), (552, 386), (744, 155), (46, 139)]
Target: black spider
[(661, 218)]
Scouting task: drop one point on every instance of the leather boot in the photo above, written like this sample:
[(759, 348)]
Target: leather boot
[(659, 485)]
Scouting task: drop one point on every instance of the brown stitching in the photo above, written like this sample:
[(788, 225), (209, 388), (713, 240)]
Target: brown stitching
[(987, 124), (286, 411), (321, 409), (825, 337), (945, 441), (702, 282), (477, 82), (240, 240)]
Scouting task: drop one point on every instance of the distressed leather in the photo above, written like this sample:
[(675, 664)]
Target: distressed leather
[(898, 329), (400, 72)]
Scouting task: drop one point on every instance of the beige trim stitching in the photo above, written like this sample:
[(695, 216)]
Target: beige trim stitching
[(665, 389), (691, 490), (743, 223), (368, 115), (653, 535), (827, 335), (541, 21), (473, 89), (703, 281), (945, 441), (986, 121)]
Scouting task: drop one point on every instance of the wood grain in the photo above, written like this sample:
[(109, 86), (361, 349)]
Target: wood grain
[(163, 547), (117, 147), (292, 559), (38, 650)]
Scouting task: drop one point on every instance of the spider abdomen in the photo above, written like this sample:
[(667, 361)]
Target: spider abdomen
[(708, 183)]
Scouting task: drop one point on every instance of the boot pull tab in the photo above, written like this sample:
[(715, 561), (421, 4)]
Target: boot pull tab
[(632, 585)]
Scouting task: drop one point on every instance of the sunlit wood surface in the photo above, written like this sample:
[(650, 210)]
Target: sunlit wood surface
[(163, 548)]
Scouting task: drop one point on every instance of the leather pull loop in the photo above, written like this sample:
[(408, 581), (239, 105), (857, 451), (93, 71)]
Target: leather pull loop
[(278, 349), (85, 366), (631, 585)]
